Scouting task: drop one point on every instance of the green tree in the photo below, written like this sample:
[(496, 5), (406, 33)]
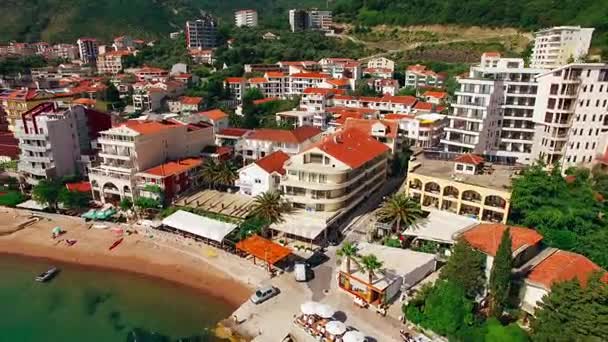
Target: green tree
[(370, 264), (11, 198), (147, 203), (466, 268), (363, 89), (500, 276), (571, 312), (125, 204), (270, 206), (349, 251), (47, 192), (400, 209), (209, 172), (496, 332), (73, 199), (407, 91)]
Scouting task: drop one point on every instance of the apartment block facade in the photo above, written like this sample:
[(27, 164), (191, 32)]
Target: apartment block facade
[(110, 63), (87, 49), (246, 17), (302, 20), (417, 76), (136, 146), (558, 46), (52, 140), (201, 33)]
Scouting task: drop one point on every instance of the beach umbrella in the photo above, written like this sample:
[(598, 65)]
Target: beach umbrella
[(309, 308), (335, 328), (57, 230), (353, 336), (324, 311)]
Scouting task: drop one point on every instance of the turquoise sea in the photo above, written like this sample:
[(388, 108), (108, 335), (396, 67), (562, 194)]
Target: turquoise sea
[(84, 304)]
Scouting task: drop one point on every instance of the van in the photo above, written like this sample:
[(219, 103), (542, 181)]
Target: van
[(300, 271), (263, 294)]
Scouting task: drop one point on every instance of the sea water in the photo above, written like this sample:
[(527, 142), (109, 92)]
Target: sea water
[(84, 304)]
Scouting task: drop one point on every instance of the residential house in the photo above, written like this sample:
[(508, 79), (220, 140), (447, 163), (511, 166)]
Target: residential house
[(435, 97), (262, 142), (216, 117), (381, 63), (171, 178), (263, 175), (384, 131), (185, 104), (417, 76), (110, 63)]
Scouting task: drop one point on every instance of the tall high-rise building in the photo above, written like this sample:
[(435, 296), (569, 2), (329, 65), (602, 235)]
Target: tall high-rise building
[(87, 49), (558, 46), (246, 17), (301, 20), (202, 33)]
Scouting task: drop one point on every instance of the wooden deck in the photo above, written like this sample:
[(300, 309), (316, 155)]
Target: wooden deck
[(230, 204)]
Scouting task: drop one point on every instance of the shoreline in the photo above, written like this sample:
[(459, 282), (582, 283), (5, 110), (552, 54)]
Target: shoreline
[(137, 255)]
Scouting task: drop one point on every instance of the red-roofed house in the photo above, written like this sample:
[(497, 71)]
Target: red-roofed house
[(185, 104), (419, 76), (318, 99), (153, 142), (110, 63), (435, 97), (486, 237), (171, 178), (468, 163), (385, 104), (300, 81), (262, 175), (555, 266), (230, 136), (215, 117), (385, 131), (348, 166), (237, 87), (341, 67), (262, 142)]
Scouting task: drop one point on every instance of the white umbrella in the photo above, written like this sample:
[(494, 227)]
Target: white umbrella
[(309, 308), (335, 328), (324, 311), (353, 336)]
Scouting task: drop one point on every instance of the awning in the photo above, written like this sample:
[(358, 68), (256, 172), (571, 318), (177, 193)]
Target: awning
[(199, 225), (263, 249)]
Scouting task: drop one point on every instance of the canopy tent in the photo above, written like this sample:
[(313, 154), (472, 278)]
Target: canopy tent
[(335, 328), (353, 336), (440, 226), (263, 249), (198, 225), (324, 311), (309, 308)]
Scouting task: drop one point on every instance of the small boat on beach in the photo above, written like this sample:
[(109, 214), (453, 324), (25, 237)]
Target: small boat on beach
[(116, 243), (48, 275)]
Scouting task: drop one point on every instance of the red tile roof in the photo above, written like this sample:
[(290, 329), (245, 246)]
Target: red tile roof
[(273, 162), (395, 116), (295, 136), (265, 100), (174, 167), (323, 91), (562, 266), (469, 158), (214, 114), (338, 82), (274, 74), (310, 75), (352, 147), (149, 127), (190, 100), (365, 126), (233, 132), (486, 237), (435, 94), (79, 186), (491, 54), (406, 100), (424, 106), (235, 79), (257, 80)]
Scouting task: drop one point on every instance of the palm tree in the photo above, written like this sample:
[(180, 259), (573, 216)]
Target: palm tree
[(370, 264), (270, 207), (400, 209), (209, 172), (226, 174), (349, 251)]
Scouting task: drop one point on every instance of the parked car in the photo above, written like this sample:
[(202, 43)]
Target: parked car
[(262, 294), (301, 270)]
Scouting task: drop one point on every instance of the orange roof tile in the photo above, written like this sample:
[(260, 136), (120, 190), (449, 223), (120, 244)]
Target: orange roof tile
[(265, 100), (149, 127), (274, 74), (486, 237), (273, 162), (310, 75), (365, 126), (352, 147), (562, 266), (406, 100), (190, 100), (295, 136), (323, 91), (79, 186), (424, 106), (338, 82), (214, 114), (395, 116), (235, 79), (435, 94), (263, 249), (257, 80), (469, 158), (174, 167), (233, 132), (491, 54)]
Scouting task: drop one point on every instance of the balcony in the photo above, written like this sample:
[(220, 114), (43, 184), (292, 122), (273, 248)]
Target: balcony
[(34, 148), (102, 172), (30, 136), (35, 159), (38, 171)]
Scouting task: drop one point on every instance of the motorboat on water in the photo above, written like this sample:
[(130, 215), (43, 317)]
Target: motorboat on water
[(47, 275)]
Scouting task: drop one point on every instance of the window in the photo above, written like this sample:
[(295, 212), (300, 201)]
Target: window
[(459, 167), (587, 105), (257, 181)]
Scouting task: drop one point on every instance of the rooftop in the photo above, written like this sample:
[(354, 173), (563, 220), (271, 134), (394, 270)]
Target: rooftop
[(190, 100), (352, 147), (496, 177), (263, 249), (273, 162), (366, 126), (295, 136), (174, 167), (440, 226), (149, 127), (233, 132), (214, 114), (487, 236), (562, 266)]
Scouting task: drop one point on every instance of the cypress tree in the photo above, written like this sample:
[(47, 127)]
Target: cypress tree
[(465, 267), (500, 276)]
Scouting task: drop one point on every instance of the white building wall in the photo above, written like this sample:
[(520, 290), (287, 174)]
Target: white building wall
[(561, 45), (253, 181)]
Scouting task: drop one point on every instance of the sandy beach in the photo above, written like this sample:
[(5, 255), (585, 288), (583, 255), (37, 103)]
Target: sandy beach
[(186, 263)]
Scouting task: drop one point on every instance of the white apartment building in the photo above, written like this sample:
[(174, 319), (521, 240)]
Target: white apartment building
[(419, 76), (65, 51), (52, 140), (110, 63), (246, 17), (262, 142), (557, 46), (150, 96), (301, 20), (337, 173), (87, 49), (493, 112), (422, 131), (318, 99), (571, 113), (341, 68), (381, 63), (385, 104), (297, 118), (139, 145)]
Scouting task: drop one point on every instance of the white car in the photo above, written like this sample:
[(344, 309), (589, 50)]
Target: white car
[(263, 294)]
